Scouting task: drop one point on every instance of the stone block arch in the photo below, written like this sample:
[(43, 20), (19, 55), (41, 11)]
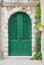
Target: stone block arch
[(7, 14)]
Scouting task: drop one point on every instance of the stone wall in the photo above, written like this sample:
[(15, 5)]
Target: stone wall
[(17, 0), (0, 30), (0, 34)]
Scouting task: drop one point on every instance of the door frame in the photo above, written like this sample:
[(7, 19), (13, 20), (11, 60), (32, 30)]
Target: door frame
[(7, 16)]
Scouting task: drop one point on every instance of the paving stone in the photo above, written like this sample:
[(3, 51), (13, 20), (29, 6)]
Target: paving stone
[(20, 62)]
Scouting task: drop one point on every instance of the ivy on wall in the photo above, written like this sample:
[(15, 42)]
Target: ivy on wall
[(38, 55)]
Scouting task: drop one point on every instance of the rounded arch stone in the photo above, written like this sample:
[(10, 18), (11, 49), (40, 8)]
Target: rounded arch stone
[(19, 9), (19, 12)]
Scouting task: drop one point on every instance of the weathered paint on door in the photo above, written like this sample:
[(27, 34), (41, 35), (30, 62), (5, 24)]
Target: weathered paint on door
[(20, 35)]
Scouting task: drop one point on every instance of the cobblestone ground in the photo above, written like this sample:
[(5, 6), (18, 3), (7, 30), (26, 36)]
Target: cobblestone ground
[(20, 62)]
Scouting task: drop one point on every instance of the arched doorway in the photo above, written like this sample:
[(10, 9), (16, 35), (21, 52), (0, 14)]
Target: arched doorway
[(20, 35)]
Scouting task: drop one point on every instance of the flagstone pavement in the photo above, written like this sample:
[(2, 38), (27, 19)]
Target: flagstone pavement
[(20, 62)]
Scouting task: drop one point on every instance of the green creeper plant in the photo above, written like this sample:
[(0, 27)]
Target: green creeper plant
[(38, 55)]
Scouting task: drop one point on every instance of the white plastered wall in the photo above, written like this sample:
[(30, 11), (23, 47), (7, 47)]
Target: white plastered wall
[(6, 13), (42, 35)]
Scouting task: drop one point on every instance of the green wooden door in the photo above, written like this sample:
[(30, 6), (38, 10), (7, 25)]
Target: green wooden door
[(20, 35)]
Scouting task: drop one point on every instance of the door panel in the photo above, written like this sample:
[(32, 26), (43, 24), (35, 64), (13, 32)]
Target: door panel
[(13, 36), (26, 36), (20, 35)]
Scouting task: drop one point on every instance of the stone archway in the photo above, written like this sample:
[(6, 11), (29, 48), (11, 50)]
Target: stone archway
[(7, 14)]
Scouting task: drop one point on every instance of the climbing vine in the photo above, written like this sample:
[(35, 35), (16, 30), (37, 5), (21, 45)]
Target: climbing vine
[(38, 55)]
